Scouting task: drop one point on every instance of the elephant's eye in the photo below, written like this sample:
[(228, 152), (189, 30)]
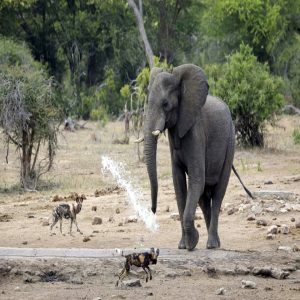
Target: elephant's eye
[(165, 104)]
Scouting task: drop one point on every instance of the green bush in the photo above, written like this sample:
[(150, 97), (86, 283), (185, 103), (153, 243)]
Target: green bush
[(252, 94), (99, 114), (296, 136)]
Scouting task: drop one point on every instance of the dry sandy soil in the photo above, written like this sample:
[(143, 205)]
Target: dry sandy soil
[(195, 275)]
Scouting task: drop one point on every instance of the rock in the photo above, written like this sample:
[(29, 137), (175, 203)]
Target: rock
[(272, 229), (17, 289), (285, 248), (248, 284), (117, 211), (111, 219), (187, 273), (120, 224), (131, 219), (270, 272), (149, 294), (241, 270), (131, 283), (290, 109), (76, 280), (293, 219), (284, 229), (268, 182), (198, 225), (30, 279), (171, 274), (251, 217), (261, 222), (86, 239), (175, 216), (45, 222), (198, 217), (295, 248), (97, 298), (270, 236), (95, 231), (97, 221), (256, 209), (94, 208), (25, 243), (220, 291), (283, 195), (167, 208), (270, 209), (231, 211), (297, 225)]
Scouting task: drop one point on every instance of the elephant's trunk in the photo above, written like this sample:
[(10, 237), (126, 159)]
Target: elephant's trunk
[(150, 148)]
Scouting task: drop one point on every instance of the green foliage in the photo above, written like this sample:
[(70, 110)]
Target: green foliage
[(296, 136), (27, 111), (99, 114), (252, 94)]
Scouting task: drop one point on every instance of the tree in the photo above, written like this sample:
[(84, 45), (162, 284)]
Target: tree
[(252, 94), (27, 111)]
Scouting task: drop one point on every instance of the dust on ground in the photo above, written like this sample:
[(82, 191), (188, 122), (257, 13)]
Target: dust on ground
[(24, 218)]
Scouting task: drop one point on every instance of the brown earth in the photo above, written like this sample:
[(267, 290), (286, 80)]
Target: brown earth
[(78, 169)]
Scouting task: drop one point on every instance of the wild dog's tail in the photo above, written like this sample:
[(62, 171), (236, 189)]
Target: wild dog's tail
[(238, 176)]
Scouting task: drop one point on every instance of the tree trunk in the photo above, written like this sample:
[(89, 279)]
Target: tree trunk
[(139, 19)]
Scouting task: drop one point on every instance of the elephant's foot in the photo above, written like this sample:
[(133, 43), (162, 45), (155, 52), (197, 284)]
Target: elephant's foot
[(191, 238), (181, 244), (213, 242)]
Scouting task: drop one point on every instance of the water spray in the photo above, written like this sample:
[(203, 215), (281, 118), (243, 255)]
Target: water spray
[(133, 194)]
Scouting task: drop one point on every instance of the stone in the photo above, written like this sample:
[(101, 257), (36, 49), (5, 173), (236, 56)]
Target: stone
[(198, 217), (284, 229), (171, 274), (17, 289), (198, 225), (251, 217), (97, 298), (285, 248), (295, 248), (175, 216), (86, 239), (131, 283), (270, 236), (45, 222), (149, 294), (220, 291), (248, 284), (272, 229), (111, 219), (293, 219), (297, 225), (270, 209), (187, 273), (268, 271), (231, 211), (268, 182), (256, 209), (167, 208), (241, 270), (279, 274), (25, 243), (94, 208), (117, 211), (76, 280), (131, 219), (97, 221), (269, 194), (120, 224), (261, 222)]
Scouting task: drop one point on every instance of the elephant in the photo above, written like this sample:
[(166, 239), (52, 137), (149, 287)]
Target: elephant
[(202, 143)]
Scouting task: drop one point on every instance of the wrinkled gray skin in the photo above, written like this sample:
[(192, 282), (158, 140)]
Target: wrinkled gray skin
[(201, 136)]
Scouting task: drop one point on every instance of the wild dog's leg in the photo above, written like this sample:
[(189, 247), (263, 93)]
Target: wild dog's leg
[(148, 268), (123, 274), (71, 223), (54, 221), (60, 225), (78, 230), (147, 275)]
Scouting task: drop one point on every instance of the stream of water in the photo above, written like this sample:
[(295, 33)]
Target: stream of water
[(134, 194)]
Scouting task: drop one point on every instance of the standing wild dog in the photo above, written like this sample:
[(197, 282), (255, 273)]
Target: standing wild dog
[(66, 211), (142, 260)]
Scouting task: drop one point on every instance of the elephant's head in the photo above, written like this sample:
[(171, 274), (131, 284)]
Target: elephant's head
[(175, 100)]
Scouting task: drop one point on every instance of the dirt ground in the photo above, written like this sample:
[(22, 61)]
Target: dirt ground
[(272, 173)]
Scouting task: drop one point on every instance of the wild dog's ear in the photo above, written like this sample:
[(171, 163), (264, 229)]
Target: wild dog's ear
[(152, 250), (157, 251)]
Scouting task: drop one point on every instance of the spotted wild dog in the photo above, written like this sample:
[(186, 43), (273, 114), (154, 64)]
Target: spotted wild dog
[(66, 211), (142, 260)]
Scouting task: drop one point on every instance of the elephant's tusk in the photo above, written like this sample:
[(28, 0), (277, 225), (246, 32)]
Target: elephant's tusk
[(156, 132), (141, 139)]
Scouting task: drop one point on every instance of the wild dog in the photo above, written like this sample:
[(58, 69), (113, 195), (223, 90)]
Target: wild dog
[(66, 211), (142, 260)]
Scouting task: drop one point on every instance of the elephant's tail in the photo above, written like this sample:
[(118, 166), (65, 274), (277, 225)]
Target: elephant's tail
[(239, 178)]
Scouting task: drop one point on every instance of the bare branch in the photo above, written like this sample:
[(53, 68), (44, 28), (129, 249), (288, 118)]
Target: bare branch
[(140, 23)]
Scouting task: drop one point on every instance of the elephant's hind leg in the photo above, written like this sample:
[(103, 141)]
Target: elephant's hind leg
[(205, 204), (217, 198)]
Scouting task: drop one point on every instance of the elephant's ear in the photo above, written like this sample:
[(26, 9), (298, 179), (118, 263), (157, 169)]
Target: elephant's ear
[(153, 74), (193, 93)]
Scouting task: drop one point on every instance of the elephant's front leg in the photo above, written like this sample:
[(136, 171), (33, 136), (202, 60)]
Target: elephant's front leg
[(179, 180), (195, 189)]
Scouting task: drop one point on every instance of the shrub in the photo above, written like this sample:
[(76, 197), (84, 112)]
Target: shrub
[(252, 94), (296, 136), (99, 114)]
